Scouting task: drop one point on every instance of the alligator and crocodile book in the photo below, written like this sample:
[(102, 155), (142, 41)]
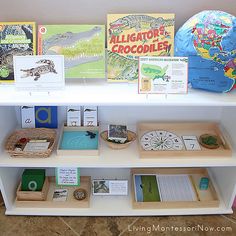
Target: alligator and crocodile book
[(16, 39), (132, 35), (83, 47)]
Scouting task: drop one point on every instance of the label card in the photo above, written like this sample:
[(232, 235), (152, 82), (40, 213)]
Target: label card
[(73, 116), (163, 75), (90, 116), (36, 146), (27, 117), (110, 187), (191, 143), (68, 176)]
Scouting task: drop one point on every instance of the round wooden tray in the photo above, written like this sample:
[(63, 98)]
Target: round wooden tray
[(131, 137)]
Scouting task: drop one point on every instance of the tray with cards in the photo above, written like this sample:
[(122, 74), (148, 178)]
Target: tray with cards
[(182, 139)]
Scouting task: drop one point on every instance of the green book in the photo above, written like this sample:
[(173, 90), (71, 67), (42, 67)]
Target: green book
[(83, 48)]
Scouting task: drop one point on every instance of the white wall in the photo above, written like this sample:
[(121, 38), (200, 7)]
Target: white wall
[(95, 11)]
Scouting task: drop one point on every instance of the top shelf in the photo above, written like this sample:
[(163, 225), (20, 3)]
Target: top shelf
[(110, 94)]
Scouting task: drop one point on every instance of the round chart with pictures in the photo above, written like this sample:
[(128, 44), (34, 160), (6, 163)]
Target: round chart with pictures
[(161, 140)]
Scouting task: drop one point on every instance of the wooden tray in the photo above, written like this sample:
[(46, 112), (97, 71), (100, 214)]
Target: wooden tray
[(77, 152), (71, 202), (33, 195), (186, 128), (206, 198)]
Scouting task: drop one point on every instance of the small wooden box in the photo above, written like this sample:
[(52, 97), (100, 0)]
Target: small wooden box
[(63, 152), (206, 198), (33, 195), (71, 202), (185, 129)]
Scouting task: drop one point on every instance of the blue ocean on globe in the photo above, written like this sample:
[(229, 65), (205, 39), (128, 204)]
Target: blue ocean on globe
[(208, 39)]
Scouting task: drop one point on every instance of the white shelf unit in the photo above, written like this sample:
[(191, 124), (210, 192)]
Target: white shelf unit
[(117, 163)]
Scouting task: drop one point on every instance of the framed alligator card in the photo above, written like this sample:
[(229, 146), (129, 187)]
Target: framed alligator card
[(39, 73), (132, 35), (83, 47), (16, 39), (163, 75)]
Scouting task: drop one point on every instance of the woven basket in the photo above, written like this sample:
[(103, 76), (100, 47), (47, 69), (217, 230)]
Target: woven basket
[(32, 133), (131, 137)]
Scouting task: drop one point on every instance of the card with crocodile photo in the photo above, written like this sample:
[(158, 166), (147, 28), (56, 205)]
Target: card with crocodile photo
[(39, 73), (83, 47)]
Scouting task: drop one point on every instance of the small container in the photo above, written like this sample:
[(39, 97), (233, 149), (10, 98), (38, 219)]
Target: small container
[(204, 183)]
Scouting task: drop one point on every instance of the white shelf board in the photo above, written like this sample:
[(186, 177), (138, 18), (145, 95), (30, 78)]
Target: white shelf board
[(110, 94), (109, 158), (115, 206)]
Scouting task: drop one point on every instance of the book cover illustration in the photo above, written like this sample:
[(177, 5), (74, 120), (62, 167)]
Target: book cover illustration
[(134, 35), (16, 39), (83, 48)]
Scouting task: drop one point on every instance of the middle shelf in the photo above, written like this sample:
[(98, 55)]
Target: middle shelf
[(110, 158)]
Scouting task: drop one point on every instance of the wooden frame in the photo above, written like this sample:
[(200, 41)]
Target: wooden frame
[(206, 198), (33, 195), (186, 128), (62, 152), (71, 202)]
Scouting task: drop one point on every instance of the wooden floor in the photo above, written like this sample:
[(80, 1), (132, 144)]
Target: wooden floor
[(115, 226)]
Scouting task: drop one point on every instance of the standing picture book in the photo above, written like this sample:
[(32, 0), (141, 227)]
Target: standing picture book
[(132, 35), (16, 39), (83, 48)]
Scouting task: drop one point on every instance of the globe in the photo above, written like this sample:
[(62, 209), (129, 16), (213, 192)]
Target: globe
[(208, 39)]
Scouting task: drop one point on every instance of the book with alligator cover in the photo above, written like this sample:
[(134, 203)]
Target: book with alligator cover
[(16, 39), (83, 47), (132, 35)]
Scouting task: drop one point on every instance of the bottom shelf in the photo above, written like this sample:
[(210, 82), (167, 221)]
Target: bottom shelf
[(115, 206)]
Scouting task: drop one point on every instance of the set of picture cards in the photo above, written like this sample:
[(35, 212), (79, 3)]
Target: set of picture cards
[(110, 187), (117, 133), (90, 116), (39, 73), (39, 117), (73, 116), (163, 75)]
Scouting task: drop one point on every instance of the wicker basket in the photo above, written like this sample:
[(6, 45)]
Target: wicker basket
[(33, 133), (131, 137)]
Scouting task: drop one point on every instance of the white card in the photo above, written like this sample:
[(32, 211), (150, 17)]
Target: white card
[(163, 75), (36, 146), (73, 116), (68, 176), (110, 187), (90, 116), (39, 73), (191, 143), (27, 117), (60, 195)]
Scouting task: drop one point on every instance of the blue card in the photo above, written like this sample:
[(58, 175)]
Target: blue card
[(46, 117)]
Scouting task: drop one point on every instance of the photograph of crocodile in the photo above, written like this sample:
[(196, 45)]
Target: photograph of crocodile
[(47, 66), (16, 39), (130, 36), (83, 48)]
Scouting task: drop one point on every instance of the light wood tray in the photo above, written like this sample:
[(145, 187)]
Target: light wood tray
[(62, 152), (186, 128), (206, 198), (71, 202)]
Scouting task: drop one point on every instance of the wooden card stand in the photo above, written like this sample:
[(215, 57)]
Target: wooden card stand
[(71, 202), (62, 152), (205, 198), (186, 129), (33, 195)]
